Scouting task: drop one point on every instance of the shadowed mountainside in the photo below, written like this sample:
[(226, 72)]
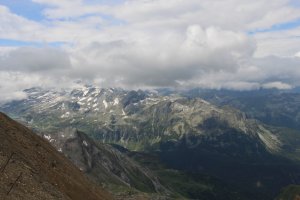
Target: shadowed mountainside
[(32, 169), (102, 163)]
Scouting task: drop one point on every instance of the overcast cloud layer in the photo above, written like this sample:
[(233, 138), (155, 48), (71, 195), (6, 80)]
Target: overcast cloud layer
[(232, 44)]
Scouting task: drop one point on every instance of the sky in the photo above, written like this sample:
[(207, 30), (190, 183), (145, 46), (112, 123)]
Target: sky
[(228, 44)]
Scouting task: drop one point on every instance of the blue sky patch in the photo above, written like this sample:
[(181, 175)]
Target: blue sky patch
[(17, 43), (25, 8), (278, 27)]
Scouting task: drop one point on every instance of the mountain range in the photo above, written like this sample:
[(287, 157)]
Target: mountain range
[(169, 145)]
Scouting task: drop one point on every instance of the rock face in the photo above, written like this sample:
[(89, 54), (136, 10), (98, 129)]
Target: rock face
[(103, 163), (32, 169)]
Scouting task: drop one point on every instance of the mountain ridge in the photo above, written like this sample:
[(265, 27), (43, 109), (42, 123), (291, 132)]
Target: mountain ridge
[(134, 119)]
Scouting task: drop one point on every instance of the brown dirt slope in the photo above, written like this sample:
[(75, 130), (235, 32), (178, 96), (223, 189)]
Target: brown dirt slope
[(30, 168)]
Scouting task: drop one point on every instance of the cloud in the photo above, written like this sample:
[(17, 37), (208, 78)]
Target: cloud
[(277, 85), (13, 26), (26, 67), (33, 59), (283, 69), (165, 60), (60, 9), (153, 43), (283, 43), (236, 15), (12, 84)]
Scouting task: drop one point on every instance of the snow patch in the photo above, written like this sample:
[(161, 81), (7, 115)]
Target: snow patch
[(85, 92), (85, 143), (67, 114), (48, 137), (116, 101), (105, 103), (82, 99)]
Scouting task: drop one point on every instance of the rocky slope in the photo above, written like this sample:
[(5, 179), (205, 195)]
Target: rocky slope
[(103, 163), (279, 109), (32, 169), (273, 107)]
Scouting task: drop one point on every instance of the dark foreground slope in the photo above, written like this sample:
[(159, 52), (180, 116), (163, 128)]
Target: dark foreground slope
[(30, 168), (291, 192)]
